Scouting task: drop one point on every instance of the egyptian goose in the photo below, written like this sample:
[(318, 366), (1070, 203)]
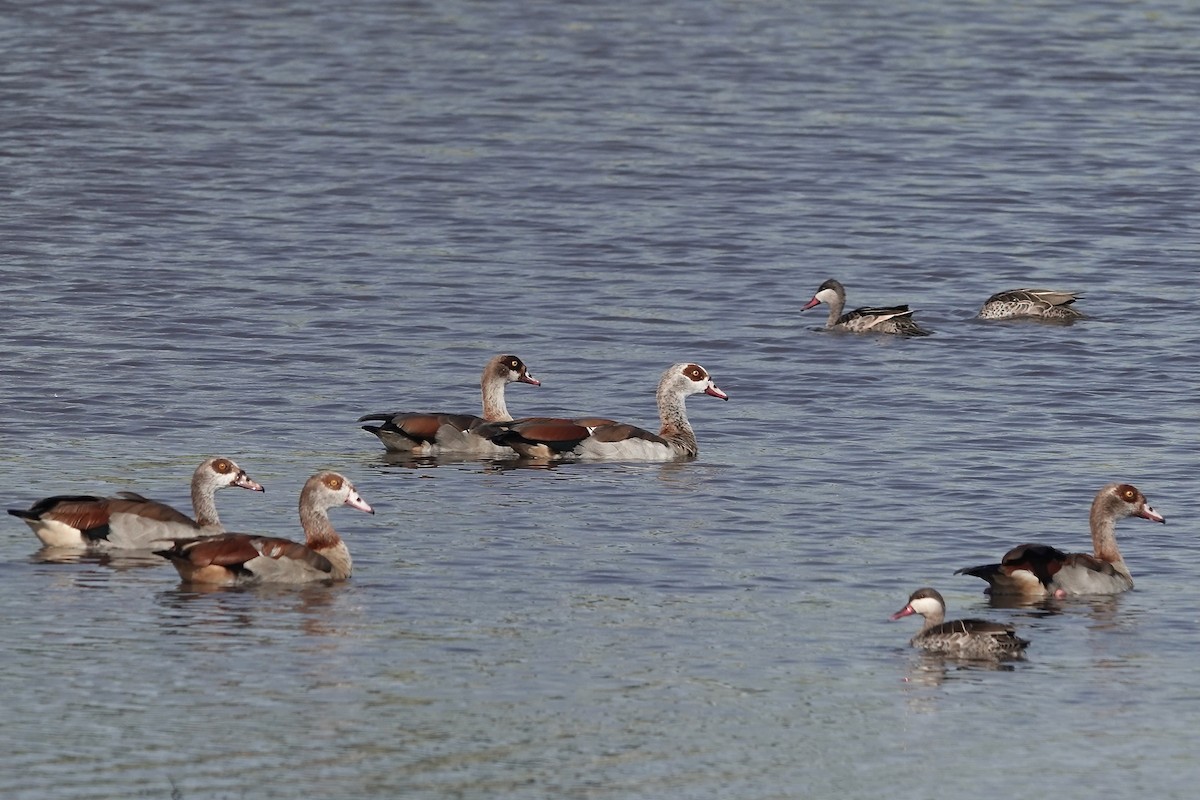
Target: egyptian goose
[(1038, 570), (966, 638), (230, 559), (892, 319), (433, 433), (129, 520), (597, 438), (1031, 304)]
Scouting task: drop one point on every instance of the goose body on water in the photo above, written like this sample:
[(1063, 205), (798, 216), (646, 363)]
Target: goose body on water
[(428, 434), (965, 638), (890, 319), (230, 559), (1038, 570), (1045, 304), (129, 520), (600, 438)]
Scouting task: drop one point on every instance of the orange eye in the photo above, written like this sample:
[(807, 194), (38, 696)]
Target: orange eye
[(222, 466), (335, 483), (1130, 494)]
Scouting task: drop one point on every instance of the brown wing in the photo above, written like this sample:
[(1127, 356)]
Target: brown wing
[(1040, 559), (223, 550), (92, 516), (286, 548), (234, 550), (593, 422), (620, 432), (559, 435), (87, 513), (420, 428), (131, 503)]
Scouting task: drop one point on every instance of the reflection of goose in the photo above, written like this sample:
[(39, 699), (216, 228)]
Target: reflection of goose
[(968, 638), (111, 558), (1031, 304), (891, 319), (428, 434), (237, 558), (129, 520), (600, 438), (1037, 570)]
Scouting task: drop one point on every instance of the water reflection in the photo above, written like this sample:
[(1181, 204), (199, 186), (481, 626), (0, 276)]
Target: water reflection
[(1101, 609), (387, 461), (489, 464), (114, 559), (410, 461), (228, 610), (930, 671), (509, 464)]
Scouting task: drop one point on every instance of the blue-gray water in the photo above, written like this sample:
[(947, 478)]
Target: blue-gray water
[(231, 229)]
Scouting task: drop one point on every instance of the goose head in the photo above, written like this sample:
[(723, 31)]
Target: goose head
[(687, 379), (1119, 500), (220, 472), (327, 490), (509, 369)]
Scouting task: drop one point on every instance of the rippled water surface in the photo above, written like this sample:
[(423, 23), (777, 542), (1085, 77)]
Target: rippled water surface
[(233, 229)]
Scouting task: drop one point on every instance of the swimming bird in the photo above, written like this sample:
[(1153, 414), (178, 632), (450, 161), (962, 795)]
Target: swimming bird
[(230, 559), (427, 434), (1045, 304), (129, 520), (891, 319), (600, 438), (1038, 570), (966, 638)]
